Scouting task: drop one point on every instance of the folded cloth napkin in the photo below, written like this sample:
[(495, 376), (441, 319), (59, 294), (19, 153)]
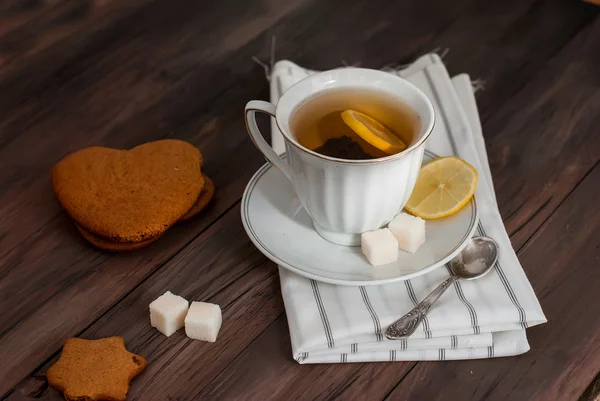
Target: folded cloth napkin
[(477, 319)]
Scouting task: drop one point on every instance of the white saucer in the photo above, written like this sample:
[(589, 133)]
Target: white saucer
[(281, 229)]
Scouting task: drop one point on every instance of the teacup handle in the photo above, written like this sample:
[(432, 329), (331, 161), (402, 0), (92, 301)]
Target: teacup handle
[(252, 107)]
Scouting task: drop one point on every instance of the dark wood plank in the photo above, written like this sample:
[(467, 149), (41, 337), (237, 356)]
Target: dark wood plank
[(39, 38), (562, 263), (266, 369), (504, 45), (544, 134)]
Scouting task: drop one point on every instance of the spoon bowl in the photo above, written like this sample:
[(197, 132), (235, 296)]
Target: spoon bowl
[(476, 259)]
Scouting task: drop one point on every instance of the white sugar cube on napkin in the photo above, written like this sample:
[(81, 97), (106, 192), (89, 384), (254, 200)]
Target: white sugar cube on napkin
[(477, 319)]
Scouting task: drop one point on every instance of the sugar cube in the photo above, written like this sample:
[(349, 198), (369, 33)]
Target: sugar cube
[(409, 231), (379, 247), (203, 321), (167, 313)]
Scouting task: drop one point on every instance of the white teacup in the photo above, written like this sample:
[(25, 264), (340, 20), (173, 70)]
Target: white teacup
[(346, 197)]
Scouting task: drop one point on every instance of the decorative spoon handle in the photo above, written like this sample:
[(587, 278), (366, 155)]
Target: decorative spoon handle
[(407, 324)]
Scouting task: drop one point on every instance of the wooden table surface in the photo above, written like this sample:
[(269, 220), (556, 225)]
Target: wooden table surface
[(78, 73)]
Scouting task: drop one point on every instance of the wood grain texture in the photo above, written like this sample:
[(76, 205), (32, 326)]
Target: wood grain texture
[(268, 363), (91, 72), (559, 107)]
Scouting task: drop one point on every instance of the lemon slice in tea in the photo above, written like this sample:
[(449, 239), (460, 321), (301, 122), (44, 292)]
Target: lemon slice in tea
[(373, 132)]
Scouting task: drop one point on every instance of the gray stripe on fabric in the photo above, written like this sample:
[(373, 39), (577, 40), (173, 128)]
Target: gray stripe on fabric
[(374, 317), (508, 288), (468, 305), (323, 313)]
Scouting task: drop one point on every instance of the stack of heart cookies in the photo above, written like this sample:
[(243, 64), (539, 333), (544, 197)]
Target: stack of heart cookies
[(123, 200)]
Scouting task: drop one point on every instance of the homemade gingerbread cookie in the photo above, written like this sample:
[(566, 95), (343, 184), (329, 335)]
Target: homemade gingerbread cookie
[(95, 370), (104, 244), (208, 190), (129, 196)]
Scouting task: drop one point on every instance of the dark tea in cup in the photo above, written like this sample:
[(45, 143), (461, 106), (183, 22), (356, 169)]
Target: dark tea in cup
[(318, 125)]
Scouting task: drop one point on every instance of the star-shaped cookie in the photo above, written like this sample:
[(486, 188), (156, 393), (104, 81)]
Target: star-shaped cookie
[(95, 370)]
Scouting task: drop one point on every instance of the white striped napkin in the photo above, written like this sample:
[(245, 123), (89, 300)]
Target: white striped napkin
[(480, 319)]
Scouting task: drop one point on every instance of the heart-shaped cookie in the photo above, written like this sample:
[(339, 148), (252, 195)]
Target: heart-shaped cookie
[(203, 200), (129, 196)]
